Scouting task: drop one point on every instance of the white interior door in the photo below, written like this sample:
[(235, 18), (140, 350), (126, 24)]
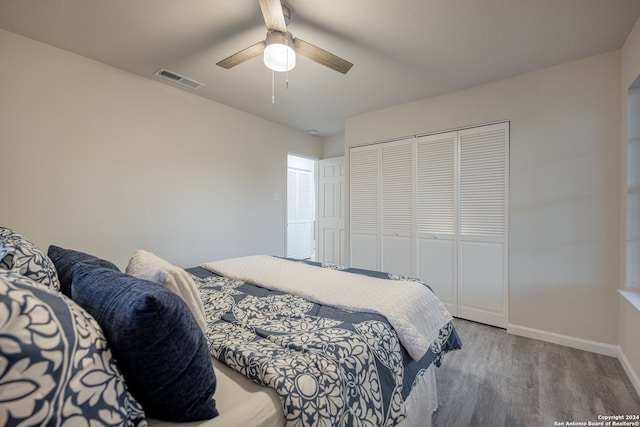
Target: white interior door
[(301, 207), (331, 211)]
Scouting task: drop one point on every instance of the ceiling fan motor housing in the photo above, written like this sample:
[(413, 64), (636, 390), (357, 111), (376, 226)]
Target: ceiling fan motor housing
[(279, 54)]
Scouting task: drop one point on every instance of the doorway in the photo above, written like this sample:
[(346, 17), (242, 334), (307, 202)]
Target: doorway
[(301, 207)]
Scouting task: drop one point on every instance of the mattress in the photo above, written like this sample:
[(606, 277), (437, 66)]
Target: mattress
[(243, 403)]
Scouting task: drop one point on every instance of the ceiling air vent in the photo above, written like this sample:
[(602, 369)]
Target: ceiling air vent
[(177, 78)]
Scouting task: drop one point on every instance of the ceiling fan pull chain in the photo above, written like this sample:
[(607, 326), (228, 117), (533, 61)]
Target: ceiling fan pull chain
[(286, 74), (273, 87)]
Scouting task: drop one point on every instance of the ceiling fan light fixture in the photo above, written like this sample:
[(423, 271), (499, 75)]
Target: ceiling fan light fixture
[(278, 52)]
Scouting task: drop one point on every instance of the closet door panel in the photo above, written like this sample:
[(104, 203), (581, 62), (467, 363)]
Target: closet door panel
[(397, 203), (481, 282), (397, 255), (483, 181), (437, 260), (364, 195), (482, 266), (436, 215), (364, 251)]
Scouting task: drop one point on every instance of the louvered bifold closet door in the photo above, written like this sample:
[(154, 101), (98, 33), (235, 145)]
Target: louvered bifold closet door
[(482, 263), (364, 196), (436, 215), (397, 201)]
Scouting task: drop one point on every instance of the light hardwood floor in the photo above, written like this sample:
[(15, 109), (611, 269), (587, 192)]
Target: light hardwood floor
[(499, 379)]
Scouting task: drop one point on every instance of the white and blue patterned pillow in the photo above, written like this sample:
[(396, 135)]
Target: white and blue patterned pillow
[(56, 367), (18, 254), (6, 258)]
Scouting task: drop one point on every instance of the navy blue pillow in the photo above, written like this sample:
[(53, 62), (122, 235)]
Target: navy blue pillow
[(159, 346), (65, 261)]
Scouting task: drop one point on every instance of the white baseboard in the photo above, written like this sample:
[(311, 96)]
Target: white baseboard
[(628, 368), (579, 343)]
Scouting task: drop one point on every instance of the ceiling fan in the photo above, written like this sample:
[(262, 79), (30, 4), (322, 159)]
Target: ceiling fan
[(279, 49)]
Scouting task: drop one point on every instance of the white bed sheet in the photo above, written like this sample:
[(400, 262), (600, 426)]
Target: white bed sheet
[(422, 402), (240, 402), (243, 403)]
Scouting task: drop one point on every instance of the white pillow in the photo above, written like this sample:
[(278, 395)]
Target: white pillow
[(148, 266)]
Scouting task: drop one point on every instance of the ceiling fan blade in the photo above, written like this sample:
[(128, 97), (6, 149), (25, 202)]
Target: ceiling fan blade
[(273, 15), (242, 56), (321, 56)]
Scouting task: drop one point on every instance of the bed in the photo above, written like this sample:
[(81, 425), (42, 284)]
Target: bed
[(249, 341)]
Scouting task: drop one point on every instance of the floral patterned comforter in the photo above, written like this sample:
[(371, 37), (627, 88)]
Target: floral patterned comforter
[(330, 367)]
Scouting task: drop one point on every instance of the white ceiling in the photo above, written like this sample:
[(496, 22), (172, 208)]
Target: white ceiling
[(402, 50)]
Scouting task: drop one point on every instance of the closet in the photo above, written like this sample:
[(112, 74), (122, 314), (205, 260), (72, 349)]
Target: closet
[(436, 207)]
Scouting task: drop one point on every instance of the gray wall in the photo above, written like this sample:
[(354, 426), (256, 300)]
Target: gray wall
[(104, 161)]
